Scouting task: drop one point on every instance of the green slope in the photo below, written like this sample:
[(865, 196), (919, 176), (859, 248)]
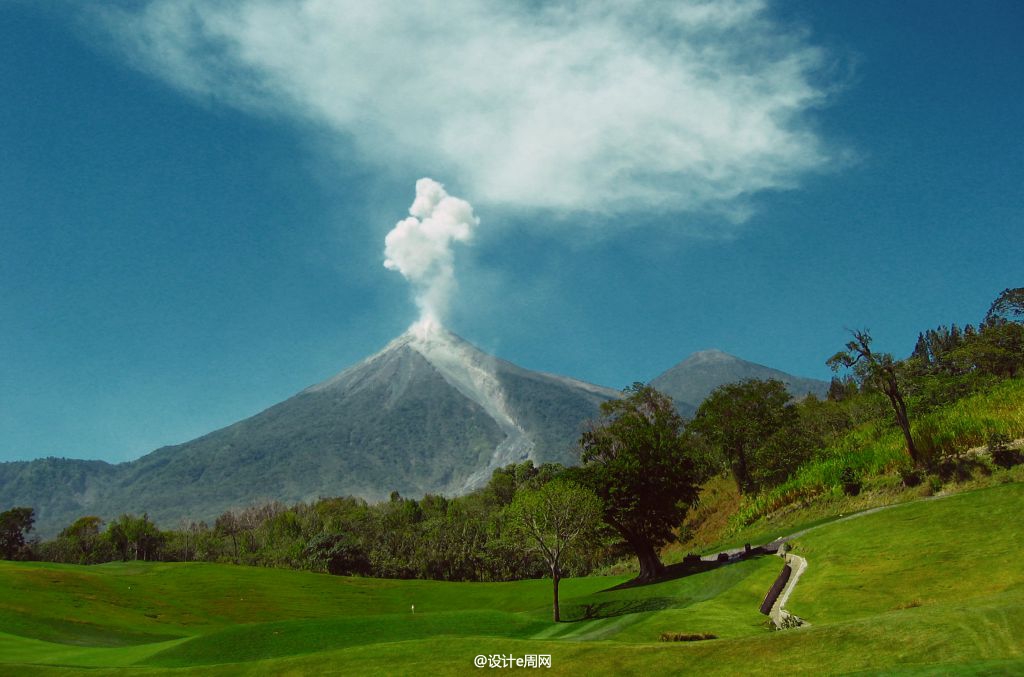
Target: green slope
[(932, 587)]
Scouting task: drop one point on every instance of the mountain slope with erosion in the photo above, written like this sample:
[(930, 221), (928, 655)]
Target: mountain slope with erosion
[(429, 413)]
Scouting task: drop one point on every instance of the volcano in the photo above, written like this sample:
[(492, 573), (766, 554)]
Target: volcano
[(430, 413)]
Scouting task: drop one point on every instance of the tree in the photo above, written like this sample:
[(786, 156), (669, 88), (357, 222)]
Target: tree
[(740, 418), (82, 538), (338, 554), (840, 390), (228, 524), (134, 537), (997, 350), (879, 371), (554, 520), (1007, 306), (637, 460), (14, 525)]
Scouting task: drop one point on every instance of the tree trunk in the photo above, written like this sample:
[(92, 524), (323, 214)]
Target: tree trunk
[(650, 565), (742, 474), (554, 581), (900, 407)]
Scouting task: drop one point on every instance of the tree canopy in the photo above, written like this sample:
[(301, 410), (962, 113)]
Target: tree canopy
[(1008, 307), (755, 426), (14, 525), (638, 461), (554, 520)]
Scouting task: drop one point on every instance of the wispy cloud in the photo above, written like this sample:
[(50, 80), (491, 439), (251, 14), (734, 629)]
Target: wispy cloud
[(604, 107)]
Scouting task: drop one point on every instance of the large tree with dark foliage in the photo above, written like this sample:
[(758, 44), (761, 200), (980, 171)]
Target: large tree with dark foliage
[(637, 460), (879, 371), (14, 525), (745, 421)]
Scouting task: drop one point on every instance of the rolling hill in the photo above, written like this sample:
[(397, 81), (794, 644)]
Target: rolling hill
[(929, 587)]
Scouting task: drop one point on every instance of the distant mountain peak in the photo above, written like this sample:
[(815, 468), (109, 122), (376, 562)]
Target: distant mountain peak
[(709, 355), (696, 377)]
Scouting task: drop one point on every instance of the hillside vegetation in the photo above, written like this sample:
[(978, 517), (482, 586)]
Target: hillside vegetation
[(875, 450), (888, 431), (876, 453), (956, 605)]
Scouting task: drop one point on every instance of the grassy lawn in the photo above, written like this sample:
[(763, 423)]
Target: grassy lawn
[(929, 587)]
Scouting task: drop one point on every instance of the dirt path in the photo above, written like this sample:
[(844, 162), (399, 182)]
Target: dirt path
[(855, 515)]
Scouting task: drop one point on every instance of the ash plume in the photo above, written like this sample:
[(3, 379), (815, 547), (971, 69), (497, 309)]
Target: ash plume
[(420, 247)]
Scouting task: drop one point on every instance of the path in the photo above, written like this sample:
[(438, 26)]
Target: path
[(780, 617)]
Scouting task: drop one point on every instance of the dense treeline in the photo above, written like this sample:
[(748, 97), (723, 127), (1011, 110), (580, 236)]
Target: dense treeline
[(759, 432), (642, 466), (457, 539)]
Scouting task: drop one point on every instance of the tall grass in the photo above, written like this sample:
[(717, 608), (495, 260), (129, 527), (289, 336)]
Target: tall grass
[(877, 447), (968, 422)]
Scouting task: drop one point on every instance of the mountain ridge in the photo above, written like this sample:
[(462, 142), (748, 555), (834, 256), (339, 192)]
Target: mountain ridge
[(690, 381), (428, 413)]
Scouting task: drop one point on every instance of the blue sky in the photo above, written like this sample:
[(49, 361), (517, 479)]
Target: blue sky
[(193, 201)]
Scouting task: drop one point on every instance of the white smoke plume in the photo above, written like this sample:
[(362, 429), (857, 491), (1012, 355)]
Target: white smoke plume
[(420, 247)]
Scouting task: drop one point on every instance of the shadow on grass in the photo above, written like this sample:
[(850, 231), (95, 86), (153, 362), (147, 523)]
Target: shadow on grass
[(600, 609), (613, 608), (685, 568)]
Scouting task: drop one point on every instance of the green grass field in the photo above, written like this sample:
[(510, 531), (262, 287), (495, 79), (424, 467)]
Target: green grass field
[(930, 587)]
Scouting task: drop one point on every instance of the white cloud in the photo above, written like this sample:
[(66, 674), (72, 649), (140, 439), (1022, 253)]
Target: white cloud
[(596, 106)]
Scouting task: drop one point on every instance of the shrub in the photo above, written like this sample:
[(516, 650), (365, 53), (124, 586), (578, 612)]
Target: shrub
[(1002, 455), (957, 467), (686, 636), (998, 441), (788, 621), (911, 477), (912, 604), (851, 483), (1007, 458)]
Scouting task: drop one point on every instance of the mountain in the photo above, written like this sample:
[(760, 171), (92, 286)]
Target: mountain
[(430, 413), (693, 379)]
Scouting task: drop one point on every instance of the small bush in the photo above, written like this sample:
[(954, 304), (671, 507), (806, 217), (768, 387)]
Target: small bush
[(686, 636), (1007, 458), (935, 484), (788, 621), (912, 604), (1002, 454), (956, 467), (998, 442), (851, 483), (911, 477)]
